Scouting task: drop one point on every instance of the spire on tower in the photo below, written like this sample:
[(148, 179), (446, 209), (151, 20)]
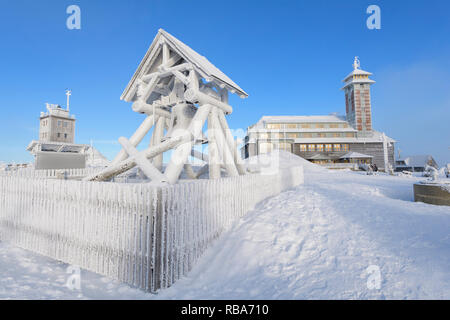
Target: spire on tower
[(356, 63)]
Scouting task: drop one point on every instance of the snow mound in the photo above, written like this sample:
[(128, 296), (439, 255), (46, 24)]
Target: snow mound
[(281, 160)]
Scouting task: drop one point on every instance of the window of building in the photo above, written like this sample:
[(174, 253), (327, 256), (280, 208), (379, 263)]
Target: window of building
[(306, 125), (311, 147), (334, 125), (307, 135), (319, 147), (303, 147), (345, 147), (337, 147), (59, 134), (328, 147), (336, 134), (59, 123), (65, 135), (65, 124), (319, 125), (345, 125), (273, 126), (265, 147), (321, 135), (284, 146), (291, 126), (292, 135), (263, 135), (276, 135), (349, 134)]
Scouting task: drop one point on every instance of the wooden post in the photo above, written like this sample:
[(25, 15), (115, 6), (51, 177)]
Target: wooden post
[(189, 171), (158, 134), (226, 153), (213, 152), (231, 142), (182, 151)]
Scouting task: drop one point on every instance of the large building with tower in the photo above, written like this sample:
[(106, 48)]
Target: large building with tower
[(332, 141)]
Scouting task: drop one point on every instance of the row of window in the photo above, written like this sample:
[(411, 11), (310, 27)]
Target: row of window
[(305, 125), (44, 135), (265, 147), (59, 135), (64, 124), (295, 135), (328, 147), (60, 124)]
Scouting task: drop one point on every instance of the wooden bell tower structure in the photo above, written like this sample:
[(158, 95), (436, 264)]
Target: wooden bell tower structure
[(179, 91)]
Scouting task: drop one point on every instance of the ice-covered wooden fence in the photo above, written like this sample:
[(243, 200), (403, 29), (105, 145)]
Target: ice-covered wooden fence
[(50, 173), (139, 234)]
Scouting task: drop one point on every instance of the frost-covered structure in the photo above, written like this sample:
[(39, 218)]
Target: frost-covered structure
[(179, 91), (55, 148)]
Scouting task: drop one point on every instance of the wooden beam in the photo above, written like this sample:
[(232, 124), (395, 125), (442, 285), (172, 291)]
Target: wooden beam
[(165, 53), (167, 71), (143, 163), (127, 164), (142, 107), (136, 138), (198, 96), (201, 171), (174, 59)]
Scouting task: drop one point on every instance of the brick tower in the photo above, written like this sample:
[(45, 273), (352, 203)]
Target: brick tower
[(357, 99)]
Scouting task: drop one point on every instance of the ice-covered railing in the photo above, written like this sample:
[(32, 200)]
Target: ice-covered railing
[(139, 234), (50, 173)]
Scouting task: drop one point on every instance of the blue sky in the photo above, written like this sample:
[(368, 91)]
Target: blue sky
[(290, 56)]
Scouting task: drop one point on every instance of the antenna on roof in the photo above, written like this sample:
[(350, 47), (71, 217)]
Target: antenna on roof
[(68, 94)]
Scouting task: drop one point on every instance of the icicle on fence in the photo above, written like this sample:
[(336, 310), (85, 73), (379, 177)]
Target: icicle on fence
[(139, 234)]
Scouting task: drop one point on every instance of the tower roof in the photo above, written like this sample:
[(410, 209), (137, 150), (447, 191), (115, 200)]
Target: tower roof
[(357, 75), (202, 65)]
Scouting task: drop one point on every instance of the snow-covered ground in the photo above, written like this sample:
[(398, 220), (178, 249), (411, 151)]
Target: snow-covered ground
[(327, 239)]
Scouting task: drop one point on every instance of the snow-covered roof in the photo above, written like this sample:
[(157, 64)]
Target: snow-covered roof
[(319, 156), (376, 137), (357, 72), (200, 63), (302, 119), (56, 146), (261, 129), (418, 160), (354, 155)]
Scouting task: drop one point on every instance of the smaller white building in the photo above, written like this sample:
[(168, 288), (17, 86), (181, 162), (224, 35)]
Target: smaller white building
[(415, 163)]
